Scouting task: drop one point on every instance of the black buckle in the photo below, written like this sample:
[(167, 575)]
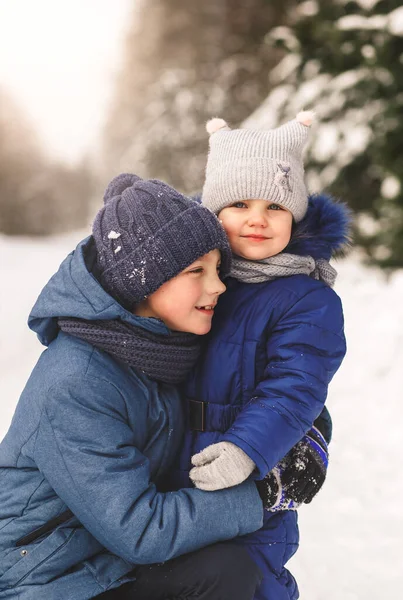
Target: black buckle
[(197, 415)]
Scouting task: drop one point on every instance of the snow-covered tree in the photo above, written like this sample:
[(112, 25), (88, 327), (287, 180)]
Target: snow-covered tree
[(345, 60), (185, 62)]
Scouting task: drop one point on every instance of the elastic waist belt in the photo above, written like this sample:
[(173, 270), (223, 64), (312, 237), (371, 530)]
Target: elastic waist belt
[(207, 416)]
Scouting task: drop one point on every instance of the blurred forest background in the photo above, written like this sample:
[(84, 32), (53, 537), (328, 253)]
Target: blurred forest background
[(253, 62)]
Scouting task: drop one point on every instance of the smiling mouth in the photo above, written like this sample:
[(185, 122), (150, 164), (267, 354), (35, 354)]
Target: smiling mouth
[(256, 238), (208, 309)]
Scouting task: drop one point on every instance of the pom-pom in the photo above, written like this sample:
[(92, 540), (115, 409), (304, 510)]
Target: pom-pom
[(306, 117), (118, 185), (215, 124)]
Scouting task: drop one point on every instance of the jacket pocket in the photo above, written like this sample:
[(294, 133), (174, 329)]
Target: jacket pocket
[(41, 562)]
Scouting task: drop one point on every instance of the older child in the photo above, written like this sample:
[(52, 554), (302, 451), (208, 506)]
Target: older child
[(100, 418), (277, 336)]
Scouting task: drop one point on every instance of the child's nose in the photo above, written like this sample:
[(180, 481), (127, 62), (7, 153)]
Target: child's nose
[(257, 218), (216, 286)]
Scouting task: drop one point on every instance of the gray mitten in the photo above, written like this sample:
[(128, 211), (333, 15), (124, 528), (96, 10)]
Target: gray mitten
[(220, 466)]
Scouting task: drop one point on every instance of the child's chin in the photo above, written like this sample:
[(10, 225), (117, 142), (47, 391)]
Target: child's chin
[(201, 329), (196, 328), (255, 254)]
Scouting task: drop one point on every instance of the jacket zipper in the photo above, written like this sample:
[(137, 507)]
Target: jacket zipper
[(46, 528)]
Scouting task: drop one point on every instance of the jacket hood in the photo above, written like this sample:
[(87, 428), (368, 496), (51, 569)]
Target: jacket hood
[(74, 291), (324, 232)]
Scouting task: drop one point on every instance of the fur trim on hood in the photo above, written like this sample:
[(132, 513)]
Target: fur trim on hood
[(324, 232)]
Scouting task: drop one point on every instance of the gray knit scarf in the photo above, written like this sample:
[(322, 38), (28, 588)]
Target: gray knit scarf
[(165, 358), (282, 265)]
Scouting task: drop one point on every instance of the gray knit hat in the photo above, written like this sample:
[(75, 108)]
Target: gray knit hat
[(147, 233), (245, 164)]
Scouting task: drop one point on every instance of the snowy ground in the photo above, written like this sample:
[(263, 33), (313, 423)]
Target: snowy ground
[(351, 536)]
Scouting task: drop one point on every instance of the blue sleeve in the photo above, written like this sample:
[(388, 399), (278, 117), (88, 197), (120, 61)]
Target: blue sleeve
[(87, 451), (304, 351)]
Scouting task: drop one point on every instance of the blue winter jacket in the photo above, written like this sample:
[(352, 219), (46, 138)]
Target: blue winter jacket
[(93, 435), (263, 379), (272, 352)]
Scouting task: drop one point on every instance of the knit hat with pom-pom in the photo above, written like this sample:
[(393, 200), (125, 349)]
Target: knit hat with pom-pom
[(245, 164), (147, 233)]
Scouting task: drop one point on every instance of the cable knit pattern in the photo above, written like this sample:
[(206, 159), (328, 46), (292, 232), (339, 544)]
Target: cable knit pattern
[(282, 265), (147, 233), (166, 358)]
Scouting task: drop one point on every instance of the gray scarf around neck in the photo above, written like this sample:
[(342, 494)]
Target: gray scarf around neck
[(165, 358), (282, 265)]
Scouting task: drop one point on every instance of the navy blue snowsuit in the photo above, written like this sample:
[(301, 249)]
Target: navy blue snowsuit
[(263, 378)]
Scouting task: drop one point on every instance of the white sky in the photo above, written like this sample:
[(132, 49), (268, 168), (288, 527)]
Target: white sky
[(58, 59)]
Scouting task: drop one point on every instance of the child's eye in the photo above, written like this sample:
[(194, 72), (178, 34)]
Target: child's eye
[(196, 270), (239, 205), (275, 207)]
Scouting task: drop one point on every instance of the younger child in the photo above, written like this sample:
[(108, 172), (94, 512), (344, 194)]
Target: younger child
[(100, 418), (277, 336)]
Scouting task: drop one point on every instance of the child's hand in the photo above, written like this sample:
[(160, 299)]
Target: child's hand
[(298, 477), (305, 467), (220, 466)]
